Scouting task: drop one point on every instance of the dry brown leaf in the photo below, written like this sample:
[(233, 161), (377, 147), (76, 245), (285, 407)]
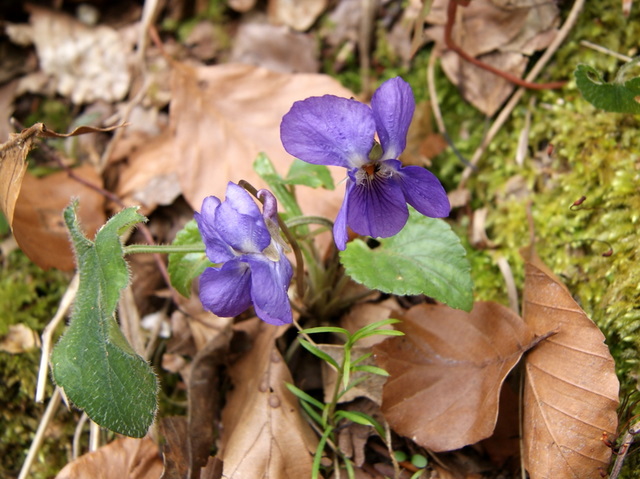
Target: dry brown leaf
[(205, 400), (501, 37), (224, 115), (85, 63), (269, 46), (13, 165), (150, 178), (38, 225), (571, 389), (19, 338), (371, 388), (263, 433), (123, 458), (241, 5), (295, 14), (175, 453), (485, 90), (447, 371), (13, 160)]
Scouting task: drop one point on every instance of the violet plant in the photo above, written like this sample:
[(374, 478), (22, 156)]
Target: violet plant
[(236, 250)]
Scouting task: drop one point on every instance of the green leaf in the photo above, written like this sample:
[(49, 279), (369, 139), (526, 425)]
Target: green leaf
[(185, 267), (318, 352), (620, 96), (325, 329), (361, 418), (303, 396), (315, 176), (93, 362), (426, 257), (370, 369), (264, 167)]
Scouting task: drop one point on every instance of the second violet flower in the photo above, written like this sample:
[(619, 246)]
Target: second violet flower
[(253, 269), (330, 130)]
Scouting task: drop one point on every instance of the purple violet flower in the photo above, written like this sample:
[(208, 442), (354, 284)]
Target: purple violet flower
[(255, 269), (330, 130)]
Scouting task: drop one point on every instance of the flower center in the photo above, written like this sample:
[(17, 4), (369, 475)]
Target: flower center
[(369, 172)]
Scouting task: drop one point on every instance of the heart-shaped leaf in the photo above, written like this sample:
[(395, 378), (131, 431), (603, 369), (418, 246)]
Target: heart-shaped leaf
[(620, 96), (426, 257)]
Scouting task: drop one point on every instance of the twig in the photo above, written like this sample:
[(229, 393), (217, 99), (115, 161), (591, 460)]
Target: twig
[(512, 291), (77, 436), (624, 449), (601, 49), (437, 113), (47, 334), (513, 101), (54, 402), (448, 40)]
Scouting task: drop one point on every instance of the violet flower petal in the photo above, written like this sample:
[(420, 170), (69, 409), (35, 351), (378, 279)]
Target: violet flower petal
[(377, 208), (393, 106), (269, 284), (217, 249), (239, 222), (329, 130), (424, 192), (340, 233), (226, 291)]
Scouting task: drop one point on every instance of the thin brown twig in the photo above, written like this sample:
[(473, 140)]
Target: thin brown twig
[(623, 450), (448, 40), (515, 98)]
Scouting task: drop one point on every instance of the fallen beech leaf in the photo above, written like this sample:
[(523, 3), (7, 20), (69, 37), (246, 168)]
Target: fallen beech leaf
[(123, 458), (38, 225), (263, 433), (297, 15), (150, 177), (571, 389), (447, 371), (224, 115)]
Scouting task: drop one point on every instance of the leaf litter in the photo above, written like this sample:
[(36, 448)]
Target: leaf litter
[(221, 117)]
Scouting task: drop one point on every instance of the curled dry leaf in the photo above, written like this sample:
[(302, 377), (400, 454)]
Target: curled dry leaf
[(571, 389), (447, 371), (127, 457), (263, 432), (13, 160)]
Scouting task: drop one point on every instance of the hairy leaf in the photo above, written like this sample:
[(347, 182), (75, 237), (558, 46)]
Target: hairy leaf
[(93, 362), (620, 96)]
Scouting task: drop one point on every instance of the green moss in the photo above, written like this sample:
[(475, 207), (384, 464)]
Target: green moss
[(30, 296)]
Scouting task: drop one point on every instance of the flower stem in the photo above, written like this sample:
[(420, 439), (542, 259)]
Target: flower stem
[(308, 220), (162, 248), (290, 238)]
